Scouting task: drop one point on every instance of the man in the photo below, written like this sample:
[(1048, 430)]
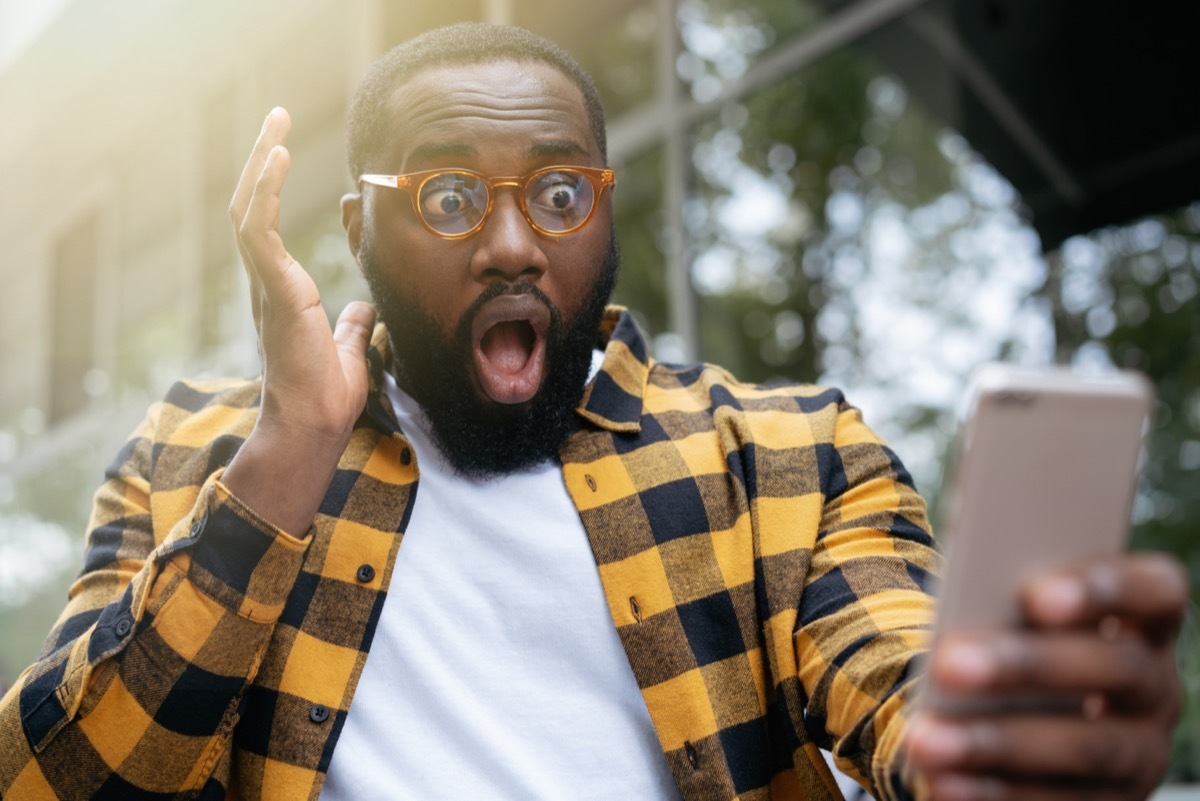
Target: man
[(617, 579)]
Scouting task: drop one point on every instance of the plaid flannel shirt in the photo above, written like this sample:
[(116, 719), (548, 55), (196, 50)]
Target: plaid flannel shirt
[(765, 559)]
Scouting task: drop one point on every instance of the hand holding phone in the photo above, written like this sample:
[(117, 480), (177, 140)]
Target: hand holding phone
[(1053, 671)]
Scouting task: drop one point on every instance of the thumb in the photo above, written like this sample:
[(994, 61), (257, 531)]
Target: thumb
[(352, 335)]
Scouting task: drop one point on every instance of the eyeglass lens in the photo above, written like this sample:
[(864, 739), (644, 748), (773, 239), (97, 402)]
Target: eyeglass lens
[(455, 202)]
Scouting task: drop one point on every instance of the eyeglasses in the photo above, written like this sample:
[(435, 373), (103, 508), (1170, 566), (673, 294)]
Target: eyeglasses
[(456, 203)]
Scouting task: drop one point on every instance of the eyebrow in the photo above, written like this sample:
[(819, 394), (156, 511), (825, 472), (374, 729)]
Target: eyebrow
[(439, 151), (448, 151), (556, 147)]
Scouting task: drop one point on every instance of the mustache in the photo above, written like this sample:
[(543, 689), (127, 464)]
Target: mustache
[(462, 332)]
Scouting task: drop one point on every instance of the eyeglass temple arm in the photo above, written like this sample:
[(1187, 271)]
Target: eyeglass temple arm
[(391, 181)]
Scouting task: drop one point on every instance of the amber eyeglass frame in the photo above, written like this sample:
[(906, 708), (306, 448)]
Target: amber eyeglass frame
[(599, 178)]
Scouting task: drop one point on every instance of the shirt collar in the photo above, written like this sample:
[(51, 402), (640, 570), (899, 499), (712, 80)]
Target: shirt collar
[(612, 400), (379, 359)]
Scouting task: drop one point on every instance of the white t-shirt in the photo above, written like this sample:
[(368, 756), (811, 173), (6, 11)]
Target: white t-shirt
[(495, 671)]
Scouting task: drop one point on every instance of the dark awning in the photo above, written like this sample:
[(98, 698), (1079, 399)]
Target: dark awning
[(1089, 107)]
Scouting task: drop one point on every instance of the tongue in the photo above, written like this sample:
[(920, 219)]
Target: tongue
[(507, 346)]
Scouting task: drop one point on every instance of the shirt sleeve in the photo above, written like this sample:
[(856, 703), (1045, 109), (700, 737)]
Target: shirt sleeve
[(866, 611), (137, 688)]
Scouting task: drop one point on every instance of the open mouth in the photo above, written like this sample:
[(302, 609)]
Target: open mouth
[(509, 347)]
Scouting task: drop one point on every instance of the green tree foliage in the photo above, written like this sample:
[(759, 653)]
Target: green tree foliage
[(1129, 296), (840, 234)]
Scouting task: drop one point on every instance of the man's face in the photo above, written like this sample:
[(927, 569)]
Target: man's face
[(492, 333)]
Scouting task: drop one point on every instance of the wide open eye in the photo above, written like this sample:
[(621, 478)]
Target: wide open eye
[(559, 200), (453, 202)]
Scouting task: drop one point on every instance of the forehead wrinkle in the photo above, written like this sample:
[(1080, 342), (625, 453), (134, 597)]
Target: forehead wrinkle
[(530, 87), (468, 137), (460, 106), (483, 107)]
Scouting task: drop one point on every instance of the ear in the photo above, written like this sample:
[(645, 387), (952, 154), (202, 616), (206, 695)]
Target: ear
[(352, 214)]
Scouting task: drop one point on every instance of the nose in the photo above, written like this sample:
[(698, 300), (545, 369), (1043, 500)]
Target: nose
[(508, 249)]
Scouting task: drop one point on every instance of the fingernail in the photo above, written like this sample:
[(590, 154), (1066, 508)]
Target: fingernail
[(939, 744), (966, 664), (1060, 598)]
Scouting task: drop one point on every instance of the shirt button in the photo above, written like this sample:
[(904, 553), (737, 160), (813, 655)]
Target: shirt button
[(196, 528), (366, 573), (318, 713), (405, 456), (123, 626)]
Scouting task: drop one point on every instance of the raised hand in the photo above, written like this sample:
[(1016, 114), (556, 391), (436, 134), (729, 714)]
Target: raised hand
[(314, 379), (1103, 632)]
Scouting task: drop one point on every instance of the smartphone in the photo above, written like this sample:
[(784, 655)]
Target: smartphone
[(1045, 475)]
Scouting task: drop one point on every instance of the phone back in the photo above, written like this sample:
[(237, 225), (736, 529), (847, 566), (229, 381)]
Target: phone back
[(1046, 476)]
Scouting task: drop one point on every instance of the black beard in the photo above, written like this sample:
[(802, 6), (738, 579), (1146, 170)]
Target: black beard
[(479, 437)]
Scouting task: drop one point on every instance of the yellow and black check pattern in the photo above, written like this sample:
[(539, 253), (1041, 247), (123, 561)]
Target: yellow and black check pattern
[(765, 559)]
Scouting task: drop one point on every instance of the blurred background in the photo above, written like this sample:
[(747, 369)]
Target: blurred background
[(876, 194)]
